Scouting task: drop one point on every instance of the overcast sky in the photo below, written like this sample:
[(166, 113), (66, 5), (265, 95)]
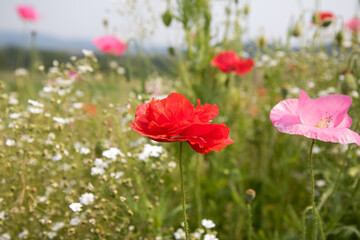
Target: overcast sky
[(83, 19)]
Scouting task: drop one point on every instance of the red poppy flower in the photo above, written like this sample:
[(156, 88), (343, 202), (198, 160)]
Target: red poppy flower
[(229, 61), (175, 119), (323, 19)]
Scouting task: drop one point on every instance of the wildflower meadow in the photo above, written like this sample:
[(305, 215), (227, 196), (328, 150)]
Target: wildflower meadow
[(217, 138)]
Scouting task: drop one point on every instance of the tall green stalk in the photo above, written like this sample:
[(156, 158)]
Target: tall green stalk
[(312, 190), (183, 194)]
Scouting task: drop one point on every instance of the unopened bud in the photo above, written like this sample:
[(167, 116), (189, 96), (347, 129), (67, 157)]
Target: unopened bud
[(250, 195)]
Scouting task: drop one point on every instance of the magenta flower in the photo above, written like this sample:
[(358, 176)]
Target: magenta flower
[(353, 24), (325, 118), (110, 45), (27, 13)]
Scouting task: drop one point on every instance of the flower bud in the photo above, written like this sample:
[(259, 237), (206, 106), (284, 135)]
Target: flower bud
[(250, 195), (297, 31), (167, 17)]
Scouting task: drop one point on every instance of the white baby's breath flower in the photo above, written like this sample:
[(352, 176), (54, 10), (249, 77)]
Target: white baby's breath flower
[(35, 110), (180, 234), (112, 153), (57, 226), (116, 175), (98, 162), (120, 70), (207, 223), (75, 207), (2, 215), (51, 235), (15, 115), (84, 150), (86, 198), (97, 171), (87, 53), (21, 72), (210, 237), (320, 183), (63, 120), (172, 164), (85, 68), (78, 105), (354, 94), (75, 221), (23, 234), (10, 142), (35, 103), (150, 151), (56, 157), (5, 236), (13, 101)]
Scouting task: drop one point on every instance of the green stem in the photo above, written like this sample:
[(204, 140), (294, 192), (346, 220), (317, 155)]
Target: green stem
[(249, 222), (312, 189), (183, 193)]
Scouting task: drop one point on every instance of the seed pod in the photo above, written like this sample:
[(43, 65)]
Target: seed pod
[(297, 31), (167, 17)]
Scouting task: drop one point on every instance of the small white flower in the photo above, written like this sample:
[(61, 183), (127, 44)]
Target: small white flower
[(97, 171), (150, 151), (86, 198), (131, 228), (23, 233), (354, 94), (120, 70), (112, 153), (207, 223), (85, 68), (35, 110), (55, 63), (210, 237), (84, 150), (21, 72), (2, 215), (320, 183), (10, 142), (172, 164), (13, 101), (77, 105), (87, 53), (116, 175), (98, 162), (75, 221), (57, 226), (75, 207), (113, 64), (15, 115), (5, 236), (51, 235), (180, 234), (56, 157), (316, 149), (35, 103)]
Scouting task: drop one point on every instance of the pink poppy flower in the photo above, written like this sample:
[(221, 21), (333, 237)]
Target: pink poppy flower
[(229, 61), (110, 45), (353, 24), (27, 12), (325, 118)]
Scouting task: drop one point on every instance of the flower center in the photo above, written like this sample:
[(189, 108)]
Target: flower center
[(324, 122)]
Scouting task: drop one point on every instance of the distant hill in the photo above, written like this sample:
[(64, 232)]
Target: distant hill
[(44, 42), (48, 42)]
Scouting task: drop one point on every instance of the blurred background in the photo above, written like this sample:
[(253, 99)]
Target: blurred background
[(70, 25)]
